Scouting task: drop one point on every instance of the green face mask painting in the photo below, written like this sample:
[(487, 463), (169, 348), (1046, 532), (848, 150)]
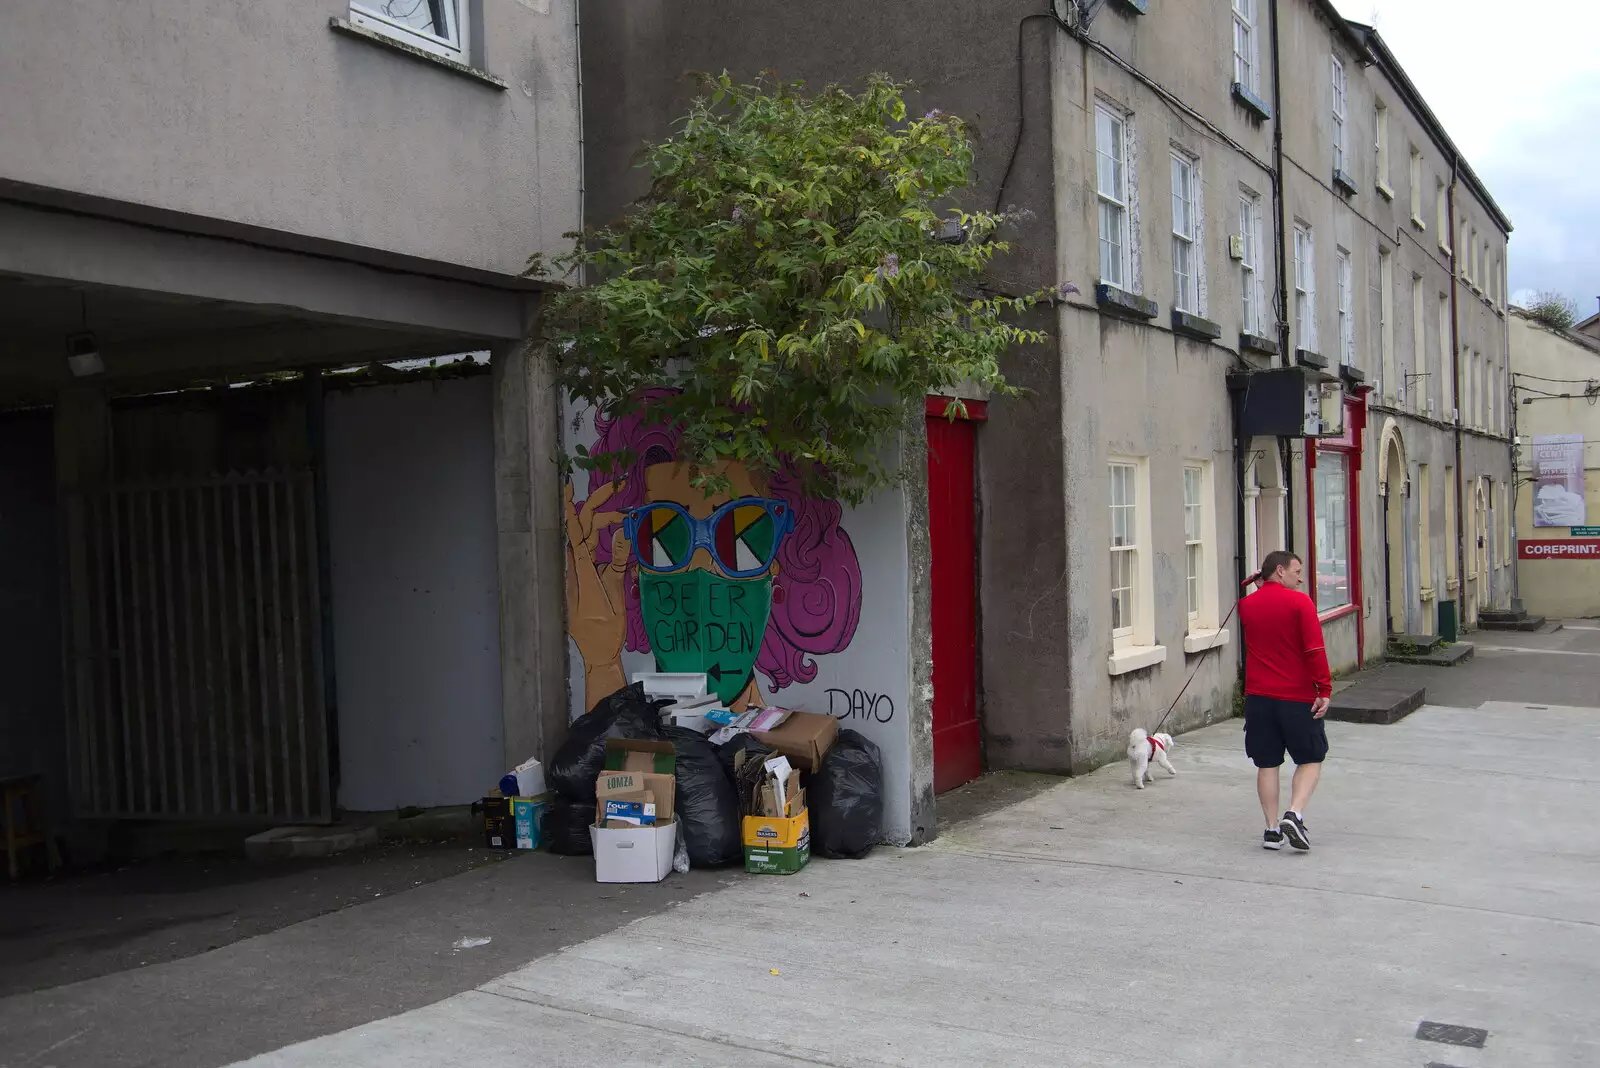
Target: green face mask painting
[(699, 621)]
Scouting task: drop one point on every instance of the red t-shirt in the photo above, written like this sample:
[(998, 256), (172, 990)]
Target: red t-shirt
[(1283, 651)]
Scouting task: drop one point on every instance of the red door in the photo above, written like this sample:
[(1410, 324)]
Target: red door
[(952, 524)]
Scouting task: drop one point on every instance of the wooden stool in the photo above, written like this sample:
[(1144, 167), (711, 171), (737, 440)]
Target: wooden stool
[(22, 791)]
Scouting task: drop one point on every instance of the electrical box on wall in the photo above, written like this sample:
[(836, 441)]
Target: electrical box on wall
[(1288, 402)]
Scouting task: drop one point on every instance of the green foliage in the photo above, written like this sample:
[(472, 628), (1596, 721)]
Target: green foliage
[(789, 274), (1554, 310)]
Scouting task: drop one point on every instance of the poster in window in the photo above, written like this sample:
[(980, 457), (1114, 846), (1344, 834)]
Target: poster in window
[(1558, 499)]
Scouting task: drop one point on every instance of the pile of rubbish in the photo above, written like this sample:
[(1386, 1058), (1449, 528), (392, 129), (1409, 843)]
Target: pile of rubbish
[(659, 776)]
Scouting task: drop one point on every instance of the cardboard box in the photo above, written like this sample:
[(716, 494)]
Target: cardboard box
[(777, 845), (635, 768), (633, 854), (525, 816), (640, 754), (804, 738), (499, 825), (638, 813)]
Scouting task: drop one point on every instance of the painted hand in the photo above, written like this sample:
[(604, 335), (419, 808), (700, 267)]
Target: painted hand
[(596, 611)]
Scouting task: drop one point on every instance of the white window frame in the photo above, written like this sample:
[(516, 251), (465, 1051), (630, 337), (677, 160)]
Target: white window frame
[(1246, 69), (1341, 105), (1452, 581), (1251, 296), (369, 14), (1123, 493), (1133, 644), (1419, 342), (1416, 189), (1305, 287), (1328, 519), (1380, 124), (1424, 490), (1200, 556), (1344, 281), (1441, 215), (1115, 206), (1187, 239), (1447, 379)]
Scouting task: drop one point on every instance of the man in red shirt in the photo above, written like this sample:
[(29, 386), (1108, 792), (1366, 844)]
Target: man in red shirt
[(1287, 690)]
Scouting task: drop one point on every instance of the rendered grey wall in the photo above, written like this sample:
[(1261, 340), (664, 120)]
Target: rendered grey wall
[(962, 55), (260, 114), (415, 593), (32, 716)]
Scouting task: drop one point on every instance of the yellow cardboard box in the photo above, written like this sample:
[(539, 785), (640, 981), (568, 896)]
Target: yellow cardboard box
[(777, 845)]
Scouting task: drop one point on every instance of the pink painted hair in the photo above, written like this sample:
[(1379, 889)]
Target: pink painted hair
[(819, 575)]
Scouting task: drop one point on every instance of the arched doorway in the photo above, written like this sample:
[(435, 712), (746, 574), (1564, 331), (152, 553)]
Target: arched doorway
[(1393, 485), (1263, 502)]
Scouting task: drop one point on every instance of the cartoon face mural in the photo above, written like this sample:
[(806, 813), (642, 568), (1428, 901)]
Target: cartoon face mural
[(757, 580)]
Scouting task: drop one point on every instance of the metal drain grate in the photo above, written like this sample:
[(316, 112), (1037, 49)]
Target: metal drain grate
[(1452, 1034)]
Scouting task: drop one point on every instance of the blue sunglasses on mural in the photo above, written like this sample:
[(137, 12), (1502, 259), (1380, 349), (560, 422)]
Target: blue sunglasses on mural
[(742, 536)]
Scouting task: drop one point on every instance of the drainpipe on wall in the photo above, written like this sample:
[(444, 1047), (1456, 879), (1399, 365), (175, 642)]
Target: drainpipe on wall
[(1281, 255), (1455, 390), (577, 47)]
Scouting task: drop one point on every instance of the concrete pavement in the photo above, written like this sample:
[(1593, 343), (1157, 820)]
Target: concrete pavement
[(1452, 879)]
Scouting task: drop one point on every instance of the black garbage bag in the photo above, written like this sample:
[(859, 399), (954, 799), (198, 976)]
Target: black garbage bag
[(565, 827), (846, 798), (707, 810), (624, 714)]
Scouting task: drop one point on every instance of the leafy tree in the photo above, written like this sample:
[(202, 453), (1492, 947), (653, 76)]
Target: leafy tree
[(791, 275), (1553, 309)]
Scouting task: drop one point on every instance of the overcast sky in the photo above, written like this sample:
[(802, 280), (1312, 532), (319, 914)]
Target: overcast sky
[(1517, 85)]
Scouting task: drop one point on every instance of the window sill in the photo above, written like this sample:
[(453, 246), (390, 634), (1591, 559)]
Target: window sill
[(1344, 183), (1252, 103), (1421, 227), (1120, 302), (1426, 593), (1453, 586), (1336, 613), (1191, 325), (1135, 658), (1311, 358), (1257, 343), (350, 29), (1198, 641), (1385, 192)]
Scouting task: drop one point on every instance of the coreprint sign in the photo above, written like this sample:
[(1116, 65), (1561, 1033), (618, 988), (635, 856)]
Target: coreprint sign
[(1563, 549), (1558, 497)]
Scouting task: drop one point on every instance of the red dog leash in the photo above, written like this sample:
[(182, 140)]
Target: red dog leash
[(1252, 579)]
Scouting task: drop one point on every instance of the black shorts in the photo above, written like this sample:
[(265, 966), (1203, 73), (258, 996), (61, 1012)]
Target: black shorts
[(1272, 725)]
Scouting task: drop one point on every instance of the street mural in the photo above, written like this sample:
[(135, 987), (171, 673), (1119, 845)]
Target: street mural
[(748, 586)]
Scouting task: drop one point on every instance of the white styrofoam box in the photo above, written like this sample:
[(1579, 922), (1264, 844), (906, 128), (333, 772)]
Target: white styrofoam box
[(633, 854), (530, 779), (675, 684)]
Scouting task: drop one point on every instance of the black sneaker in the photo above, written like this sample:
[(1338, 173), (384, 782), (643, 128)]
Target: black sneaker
[(1271, 839), (1294, 829)]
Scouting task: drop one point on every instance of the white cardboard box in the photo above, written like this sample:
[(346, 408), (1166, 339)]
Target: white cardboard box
[(633, 854)]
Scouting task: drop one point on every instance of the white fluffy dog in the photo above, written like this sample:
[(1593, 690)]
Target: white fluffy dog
[(1145, 749)]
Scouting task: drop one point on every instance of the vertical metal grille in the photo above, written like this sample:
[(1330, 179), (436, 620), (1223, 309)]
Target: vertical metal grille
[(200, 695)]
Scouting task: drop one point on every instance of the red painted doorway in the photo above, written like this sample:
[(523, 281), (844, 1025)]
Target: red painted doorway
[(953, 538)]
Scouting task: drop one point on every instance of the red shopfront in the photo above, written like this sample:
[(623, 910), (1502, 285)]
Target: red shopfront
[(1333, 528)]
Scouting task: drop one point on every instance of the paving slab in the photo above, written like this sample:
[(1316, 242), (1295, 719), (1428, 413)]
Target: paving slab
[(1095, 925)]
